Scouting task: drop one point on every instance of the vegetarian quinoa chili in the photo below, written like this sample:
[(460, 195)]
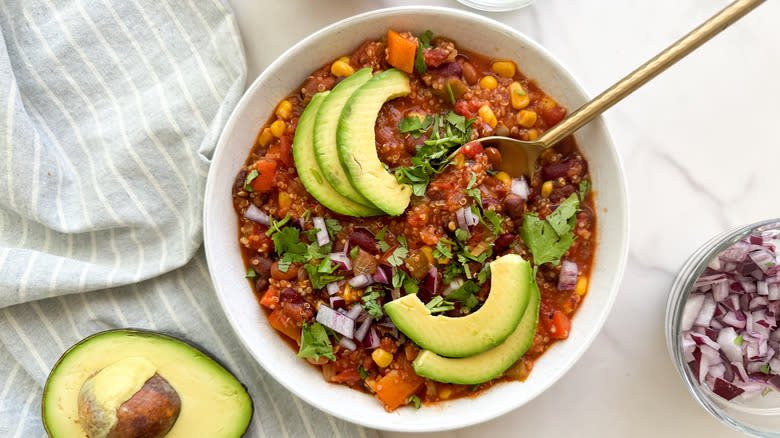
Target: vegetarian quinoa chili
[(464, 212)]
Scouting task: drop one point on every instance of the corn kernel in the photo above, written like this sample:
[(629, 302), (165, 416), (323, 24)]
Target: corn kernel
[(548, 103), (265, 137), (505, 69), (285, 200), (344, 59), (582, 286), (488, 82), (445, 393), (284, 110), (526, 118), (381, 357), (504, 177), (278, 127), (518, 96), (532, 134), (341, 68), (547, 188), (487, 116)]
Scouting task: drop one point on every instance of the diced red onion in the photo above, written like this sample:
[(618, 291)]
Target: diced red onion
[(431, 280), (361, 280), (254, 214), (337, 302), (341, 259), (729, 324), (383, 274), (520, 187), (332, 319), (362, 331), (354, 312), (347, 343), (322, 231), (333, 288), (372, 339), (567, 280), (466, 218)]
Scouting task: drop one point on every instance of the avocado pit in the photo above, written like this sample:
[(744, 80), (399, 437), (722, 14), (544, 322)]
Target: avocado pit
[(128, 399)]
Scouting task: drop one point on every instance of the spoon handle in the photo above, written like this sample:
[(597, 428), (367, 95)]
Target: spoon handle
[(648, 70)]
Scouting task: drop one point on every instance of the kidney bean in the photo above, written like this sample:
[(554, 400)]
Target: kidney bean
[(470, 73), (289, 295), (448, 69), (261, 265), (566, 168), (276, 274), (514, 205), (494, 157), (503, 242), (261, 284), (364, 239)]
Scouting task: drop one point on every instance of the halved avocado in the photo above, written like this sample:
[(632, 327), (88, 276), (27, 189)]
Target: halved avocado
[(357, 142), (486, 365), (512, 284), (325, 127), (213, 402), (309, 170)]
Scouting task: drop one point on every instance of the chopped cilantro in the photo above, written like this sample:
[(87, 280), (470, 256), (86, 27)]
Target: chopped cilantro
[(484, 274), (462, 234), (283, 264), (439, 304), (383, 246), (371, 304), (410, 286), (249, 178), (465, 294), (764, 368), (276, 226), (414, 400), (354, 251), (442, 250), (398, 278), (287, 242), (403, 242), (306, 215), (450, 93), (410, 124), (584, 189), (451, 271), (321, 275), (333, 227), (520, 92), (561, 218), (397, 257), (315, 342), (495, 221), (738, 340), (766, 391), (423, 42), (362, 371), (381, 234), (250, 273), (544, 243)]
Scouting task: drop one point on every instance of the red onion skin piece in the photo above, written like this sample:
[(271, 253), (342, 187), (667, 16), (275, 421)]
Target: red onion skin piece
[(726, 390), (364, 239), (340, 323)]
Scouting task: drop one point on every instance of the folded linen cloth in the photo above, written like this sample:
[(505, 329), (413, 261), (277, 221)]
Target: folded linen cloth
[(109, 113)]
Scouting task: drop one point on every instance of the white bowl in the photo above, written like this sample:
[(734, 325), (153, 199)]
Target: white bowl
[(472, 32)]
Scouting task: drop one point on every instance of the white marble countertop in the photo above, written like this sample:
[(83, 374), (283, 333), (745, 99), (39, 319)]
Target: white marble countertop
[(700, 149)]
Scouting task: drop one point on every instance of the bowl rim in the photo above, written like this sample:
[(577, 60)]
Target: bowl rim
[(617, 271)]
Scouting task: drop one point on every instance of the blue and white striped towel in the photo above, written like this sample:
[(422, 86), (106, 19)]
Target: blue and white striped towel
[(109, 111)]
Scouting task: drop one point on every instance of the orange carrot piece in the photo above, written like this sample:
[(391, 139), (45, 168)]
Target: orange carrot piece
[(282, 323), (266, 170), (400, 51)]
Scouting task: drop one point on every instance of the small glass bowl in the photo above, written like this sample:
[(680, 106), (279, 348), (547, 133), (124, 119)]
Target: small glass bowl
[(496, 5), (759, 416)]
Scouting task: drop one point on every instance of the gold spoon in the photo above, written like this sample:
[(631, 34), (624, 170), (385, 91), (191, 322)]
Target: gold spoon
[(519, 157)]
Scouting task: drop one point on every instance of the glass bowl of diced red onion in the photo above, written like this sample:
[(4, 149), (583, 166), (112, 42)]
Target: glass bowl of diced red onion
[(722, 327)]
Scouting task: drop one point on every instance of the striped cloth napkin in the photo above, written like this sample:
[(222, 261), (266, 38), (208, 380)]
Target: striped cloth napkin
[(109, 113)]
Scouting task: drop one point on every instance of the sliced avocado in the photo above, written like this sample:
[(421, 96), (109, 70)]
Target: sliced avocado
[(486, 365), (309, 169), (325, 126), (511, 287), (213, 402), (357, 142)]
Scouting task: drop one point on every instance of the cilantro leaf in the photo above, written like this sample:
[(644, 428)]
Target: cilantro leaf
[(414, 400), (397, 257), (559, 219), (584, 189), (423, 42), (484, 274), (439, 305), (462, 235), (362, 371), (410, 124), (249, 178), (333, 227), (371, 304), (542, 240), (465, 294), (442, 250), (320, 277), (315, 342), (250, 273), (495, 221), (287, 242)]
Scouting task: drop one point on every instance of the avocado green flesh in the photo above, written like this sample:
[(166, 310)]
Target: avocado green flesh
[(489, 364), (357, 143), (511, 287), (325, 127), (213, 401), (309, 170)]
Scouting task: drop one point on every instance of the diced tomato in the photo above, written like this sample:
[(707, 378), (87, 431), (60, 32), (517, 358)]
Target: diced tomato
[(285, 325), (266, 170), (270, 298), (401, 51), (395, 387), (285, 150), (350, 375), (561, 325), (467, 108), (553, 115), (472, 149)]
